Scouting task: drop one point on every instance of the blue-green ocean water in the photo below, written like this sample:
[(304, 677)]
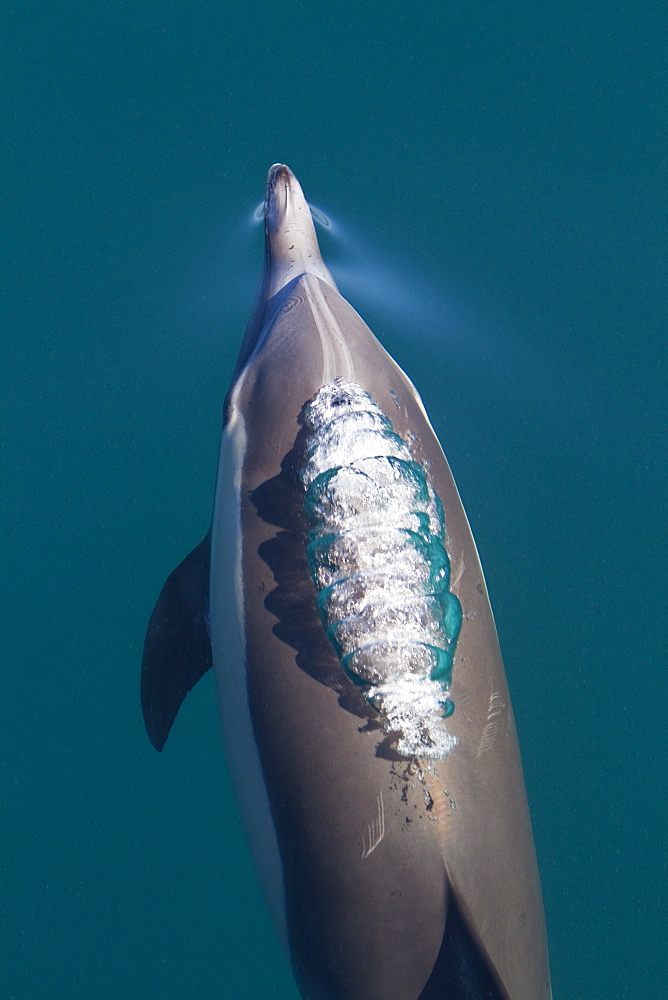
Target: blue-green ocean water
[(496, 169)]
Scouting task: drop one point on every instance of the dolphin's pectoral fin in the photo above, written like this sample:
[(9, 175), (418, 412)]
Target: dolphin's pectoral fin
[(462, 970), (177, 647)]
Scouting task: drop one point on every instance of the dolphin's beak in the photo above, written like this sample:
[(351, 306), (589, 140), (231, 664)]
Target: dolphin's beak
[(291, 249), (291, 242)]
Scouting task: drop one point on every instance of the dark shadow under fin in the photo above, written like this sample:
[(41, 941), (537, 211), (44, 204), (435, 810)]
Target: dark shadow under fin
[(462, 970), (177, 647)]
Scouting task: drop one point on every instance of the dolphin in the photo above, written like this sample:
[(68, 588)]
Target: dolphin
[(339, 598)]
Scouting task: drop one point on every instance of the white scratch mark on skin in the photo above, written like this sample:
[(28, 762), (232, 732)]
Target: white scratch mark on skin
[(457, 574), (489, 733), (376, 830)]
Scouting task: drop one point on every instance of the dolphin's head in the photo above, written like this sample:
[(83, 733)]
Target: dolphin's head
[(291, 249), (291, 242)]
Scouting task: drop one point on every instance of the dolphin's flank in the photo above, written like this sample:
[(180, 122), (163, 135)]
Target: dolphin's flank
[(367, 722)]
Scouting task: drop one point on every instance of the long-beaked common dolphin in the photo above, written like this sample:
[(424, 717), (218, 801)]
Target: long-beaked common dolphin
[(366, 717)]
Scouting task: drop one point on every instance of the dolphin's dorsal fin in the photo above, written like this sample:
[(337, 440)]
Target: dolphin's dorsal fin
[(177, 647), (463, 970)]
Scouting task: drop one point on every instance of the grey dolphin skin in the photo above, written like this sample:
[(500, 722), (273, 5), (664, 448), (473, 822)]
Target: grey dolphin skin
[(367, 722)]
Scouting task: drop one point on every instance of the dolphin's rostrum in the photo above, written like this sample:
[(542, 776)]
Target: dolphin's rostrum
[(367, 722)]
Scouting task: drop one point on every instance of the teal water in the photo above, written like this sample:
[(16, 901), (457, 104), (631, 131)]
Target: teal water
[(496, 169)]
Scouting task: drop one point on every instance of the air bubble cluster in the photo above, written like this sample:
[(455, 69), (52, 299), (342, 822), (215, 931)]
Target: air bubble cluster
[(377, 556)]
